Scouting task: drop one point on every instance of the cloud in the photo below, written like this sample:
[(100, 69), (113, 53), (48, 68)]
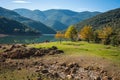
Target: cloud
[(21, 1)]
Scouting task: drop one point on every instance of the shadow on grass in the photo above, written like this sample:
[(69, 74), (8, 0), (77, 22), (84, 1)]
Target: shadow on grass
[(74, 44)]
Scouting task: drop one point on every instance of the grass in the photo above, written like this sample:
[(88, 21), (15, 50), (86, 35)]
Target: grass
[(84, 48)]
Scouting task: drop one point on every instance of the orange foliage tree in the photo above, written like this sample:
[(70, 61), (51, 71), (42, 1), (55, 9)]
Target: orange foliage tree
[(59, 35)]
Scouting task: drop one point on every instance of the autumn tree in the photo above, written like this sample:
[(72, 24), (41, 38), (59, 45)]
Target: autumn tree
[(86, 33), (104, 34), (59, 35), (71, 33)]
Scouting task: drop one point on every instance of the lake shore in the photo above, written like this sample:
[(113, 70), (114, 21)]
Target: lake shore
[(3, 35)]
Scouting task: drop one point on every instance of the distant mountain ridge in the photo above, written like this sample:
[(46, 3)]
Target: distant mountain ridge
[(63, 18), (110, 18), (28, 22)]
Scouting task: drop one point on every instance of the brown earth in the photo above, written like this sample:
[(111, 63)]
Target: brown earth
[(57, 66)]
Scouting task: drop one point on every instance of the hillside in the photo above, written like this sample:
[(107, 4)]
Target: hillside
[(8, 26), (110, 18), (29, 22), (63, 18)]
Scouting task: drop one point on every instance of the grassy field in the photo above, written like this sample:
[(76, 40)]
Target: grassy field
[(85, 49)]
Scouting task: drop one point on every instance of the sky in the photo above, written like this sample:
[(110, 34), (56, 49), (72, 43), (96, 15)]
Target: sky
[(75, 5)]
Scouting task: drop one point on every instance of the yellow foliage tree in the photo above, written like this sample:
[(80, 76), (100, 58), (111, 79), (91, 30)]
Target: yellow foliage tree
[(71, 33), (86, 33), (104, 34)]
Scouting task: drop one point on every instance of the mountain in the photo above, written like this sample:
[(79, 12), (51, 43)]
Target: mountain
[(29, 22), (109, 18), (57, 19), (8, 26), (56, 25)]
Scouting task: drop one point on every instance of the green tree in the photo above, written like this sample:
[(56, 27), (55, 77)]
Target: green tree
[(86, 33), (96, 39), (71, 33), (115, 38)]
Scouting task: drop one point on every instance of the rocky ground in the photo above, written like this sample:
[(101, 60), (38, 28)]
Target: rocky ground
[(19, 51), (52, 64)]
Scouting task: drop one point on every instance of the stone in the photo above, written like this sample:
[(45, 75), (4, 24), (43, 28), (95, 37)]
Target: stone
[(54, 48), (19, 68), (44, 71), (98, 78), (69, 76)]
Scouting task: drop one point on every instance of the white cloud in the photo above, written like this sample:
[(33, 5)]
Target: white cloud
[(21, 1)]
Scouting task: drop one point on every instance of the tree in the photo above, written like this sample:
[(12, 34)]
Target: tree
[(59, 35), (96, 39), (86, 33), (71, 33), (115, 38), (104, 34)]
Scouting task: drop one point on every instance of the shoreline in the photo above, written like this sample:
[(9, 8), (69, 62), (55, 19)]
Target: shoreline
[(3, 35)]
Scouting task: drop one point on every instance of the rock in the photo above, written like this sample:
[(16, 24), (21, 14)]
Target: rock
[(71, 65), (107, 78), (38, 53), (67, 70), (63, 64), (69, 76), (52, 52), (23, 45), (2, 59), (4, 48), (44, 71), (5, 55), (56, 75), (37, 70), (35, 63), (54, 47), (39, 78), (59, 51), (98, 78), (0, 46), (89, 68), (73, 71), (19, 68)]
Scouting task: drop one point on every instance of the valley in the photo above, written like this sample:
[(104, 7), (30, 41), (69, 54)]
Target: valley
[(59, 40)]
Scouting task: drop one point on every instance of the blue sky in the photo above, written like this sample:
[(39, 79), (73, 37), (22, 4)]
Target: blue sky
[(75, 5)]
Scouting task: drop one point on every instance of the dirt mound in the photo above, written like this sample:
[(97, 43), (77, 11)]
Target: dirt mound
[(19, 51)]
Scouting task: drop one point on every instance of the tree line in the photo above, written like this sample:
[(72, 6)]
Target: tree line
[(106, 35)]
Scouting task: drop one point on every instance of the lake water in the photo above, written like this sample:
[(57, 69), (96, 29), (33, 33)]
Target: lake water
[(26, 39)]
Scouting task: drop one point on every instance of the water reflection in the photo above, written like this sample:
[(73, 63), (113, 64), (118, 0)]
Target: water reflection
[(26, 39)]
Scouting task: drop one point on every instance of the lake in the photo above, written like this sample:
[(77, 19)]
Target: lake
[(26, 39)]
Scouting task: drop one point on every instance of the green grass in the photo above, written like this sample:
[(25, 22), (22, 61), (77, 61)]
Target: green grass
[(84, 48)]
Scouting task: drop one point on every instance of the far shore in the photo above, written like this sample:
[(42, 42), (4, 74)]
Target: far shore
[(3, 35)]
